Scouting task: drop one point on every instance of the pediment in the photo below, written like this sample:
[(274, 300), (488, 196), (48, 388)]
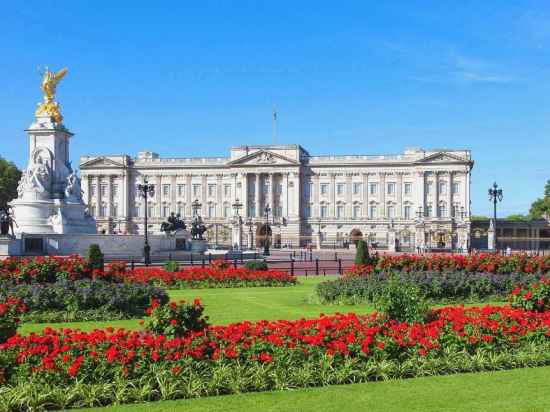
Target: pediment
[(263, 157), (443, 157), (101, 162)]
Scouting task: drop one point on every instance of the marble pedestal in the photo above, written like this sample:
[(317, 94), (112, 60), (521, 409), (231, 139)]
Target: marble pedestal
[(9, 246), (198, 246)]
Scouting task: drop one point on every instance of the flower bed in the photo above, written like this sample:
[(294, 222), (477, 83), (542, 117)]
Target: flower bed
[(81, 300), (439, 287), (474, 263), (209, 277), (74, 368), (218, 274)]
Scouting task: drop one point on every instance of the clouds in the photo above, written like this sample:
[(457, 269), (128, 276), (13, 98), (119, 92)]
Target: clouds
[(473, 70)]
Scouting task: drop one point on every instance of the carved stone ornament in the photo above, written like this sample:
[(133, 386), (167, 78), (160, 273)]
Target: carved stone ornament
[(73, 189), (265, 157)]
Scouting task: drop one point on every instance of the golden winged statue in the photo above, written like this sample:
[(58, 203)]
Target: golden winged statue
[(50, 107)]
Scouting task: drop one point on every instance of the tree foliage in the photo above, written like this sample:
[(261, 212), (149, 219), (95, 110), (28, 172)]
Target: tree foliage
[(9, 179), (362, 253), (540, 208)]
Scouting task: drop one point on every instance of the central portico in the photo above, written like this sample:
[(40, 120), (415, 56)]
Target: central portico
[(417, 198)]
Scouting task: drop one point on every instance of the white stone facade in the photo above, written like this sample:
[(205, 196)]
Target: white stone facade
[(420, 198)]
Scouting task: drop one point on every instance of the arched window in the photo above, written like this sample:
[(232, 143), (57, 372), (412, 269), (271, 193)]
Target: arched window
[(373, 211), (442, 210)]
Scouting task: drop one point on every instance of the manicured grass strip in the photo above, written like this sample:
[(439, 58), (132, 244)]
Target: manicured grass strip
[(513, 390), (225, 306)]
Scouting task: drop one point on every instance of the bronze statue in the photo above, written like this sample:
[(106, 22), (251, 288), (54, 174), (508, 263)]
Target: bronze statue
[(197, 228), (173, 223), (7, 221)]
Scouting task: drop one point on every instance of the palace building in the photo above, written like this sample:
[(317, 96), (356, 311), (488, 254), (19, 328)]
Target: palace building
[(417, 199)]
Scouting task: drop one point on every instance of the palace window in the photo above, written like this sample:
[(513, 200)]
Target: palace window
[(165, 211), (103, 190), (92, 190), (429, 188), (114, 190), (442, 188), (114, 210), (211, 190), (196, 190), (456, 187), (456, 211), (227, 190), (150, 210), (324, 188), (136, 211), (211, 211), (408, 188), (324, 211), (391, 188), (373, 188), (357, 188), (340, 187), (373, 211), (339, 212), (93, 211), (166, 190), (102, 210), (429, 211), (356, 211), (278, 211), (391, 211), (181, 190), (225, 211), (181, 209), (407, 212), (442, 210)]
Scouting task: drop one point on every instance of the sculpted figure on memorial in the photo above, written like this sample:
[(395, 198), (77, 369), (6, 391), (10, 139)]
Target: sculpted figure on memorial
[(73, 189)]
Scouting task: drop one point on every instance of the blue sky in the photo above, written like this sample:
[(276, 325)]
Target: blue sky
[(365, 77)]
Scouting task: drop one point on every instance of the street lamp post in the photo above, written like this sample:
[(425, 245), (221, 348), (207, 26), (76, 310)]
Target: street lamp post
[(236, 207), (266, 240), (250, 223), (495, 196), (145, 190)]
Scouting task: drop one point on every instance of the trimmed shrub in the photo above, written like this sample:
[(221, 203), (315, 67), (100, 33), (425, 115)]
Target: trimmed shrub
[(95, 257), (175, 320), (535, 296), (82, 299), (258, 265), (438, 287), (402, 301), (10, 310), (362, 253), (171, 266)]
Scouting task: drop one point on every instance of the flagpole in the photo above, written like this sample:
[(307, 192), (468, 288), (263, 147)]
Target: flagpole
[(274, 126)]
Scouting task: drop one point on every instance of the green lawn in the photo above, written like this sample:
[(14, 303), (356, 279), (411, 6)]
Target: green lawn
[(233, 305), (515, 390)]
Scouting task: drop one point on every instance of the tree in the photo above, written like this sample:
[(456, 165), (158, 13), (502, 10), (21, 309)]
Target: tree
[(9, 179), (540, 208), (362, 253), (518, 217), (478, 218)]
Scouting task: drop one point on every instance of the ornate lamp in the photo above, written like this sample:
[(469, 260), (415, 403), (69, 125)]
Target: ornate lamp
[(145, 190)]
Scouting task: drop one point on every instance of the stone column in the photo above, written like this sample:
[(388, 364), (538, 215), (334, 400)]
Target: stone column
[(316, 200), (219, 196), (382, 194), (420, 186), (257, 196), (204, 190), (173, 194), (272, 192), (110, 198), (365, 195), (295, 208), (158, 195), (286, 204), (399, 195), (244, 194), (189, 194), (332, 192), (86, 189), (126, 199), (449, 194), (349, 207), (98, 195), (436, 209)]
